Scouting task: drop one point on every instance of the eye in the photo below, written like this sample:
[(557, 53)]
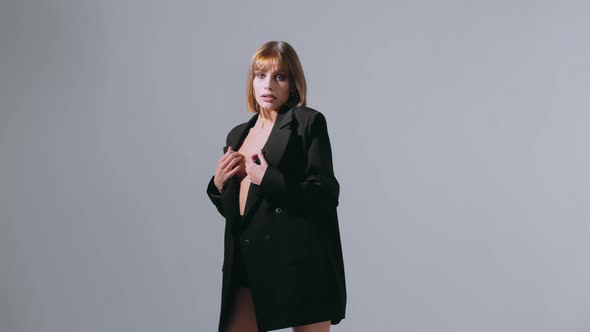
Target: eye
[(281, 77), (260, 74)]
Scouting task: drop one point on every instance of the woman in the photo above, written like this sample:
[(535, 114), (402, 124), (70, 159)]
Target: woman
[(276, 189)]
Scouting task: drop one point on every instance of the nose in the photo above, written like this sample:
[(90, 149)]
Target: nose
[(267, 83)]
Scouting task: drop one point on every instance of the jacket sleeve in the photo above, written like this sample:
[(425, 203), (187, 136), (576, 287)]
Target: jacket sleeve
[(215, 195), (212, 191), (319, 189)]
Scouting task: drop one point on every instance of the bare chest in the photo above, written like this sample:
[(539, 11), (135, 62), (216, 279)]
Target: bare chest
[(254, 141)]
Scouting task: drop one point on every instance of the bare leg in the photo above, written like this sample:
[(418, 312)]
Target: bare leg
[(315, 327), (243, 318)]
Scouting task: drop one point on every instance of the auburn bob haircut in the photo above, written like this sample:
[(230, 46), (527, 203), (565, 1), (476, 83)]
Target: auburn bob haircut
[(281, 56)]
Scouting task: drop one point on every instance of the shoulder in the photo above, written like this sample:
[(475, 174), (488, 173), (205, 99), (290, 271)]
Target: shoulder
[(236, 130), (305, 114), (310, 118)]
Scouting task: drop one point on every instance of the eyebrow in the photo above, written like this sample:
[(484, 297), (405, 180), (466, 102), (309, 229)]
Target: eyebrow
[(281, 71)]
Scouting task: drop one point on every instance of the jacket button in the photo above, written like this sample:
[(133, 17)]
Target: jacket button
[(246, 242), (279, 210), (267, 237)]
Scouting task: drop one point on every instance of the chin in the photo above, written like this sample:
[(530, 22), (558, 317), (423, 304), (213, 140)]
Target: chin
[(266, 105)]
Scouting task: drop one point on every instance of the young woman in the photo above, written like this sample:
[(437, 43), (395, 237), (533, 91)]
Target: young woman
[(276, 189)]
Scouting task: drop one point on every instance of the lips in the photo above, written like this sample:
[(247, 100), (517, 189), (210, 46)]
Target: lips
[(268, 97)]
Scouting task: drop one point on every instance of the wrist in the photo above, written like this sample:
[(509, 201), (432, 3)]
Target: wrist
[(217, 185)]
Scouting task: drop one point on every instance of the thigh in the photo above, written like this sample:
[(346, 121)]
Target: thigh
[(243, 318), (315, 327)]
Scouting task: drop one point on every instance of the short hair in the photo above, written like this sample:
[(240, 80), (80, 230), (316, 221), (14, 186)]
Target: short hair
[(277, 54)]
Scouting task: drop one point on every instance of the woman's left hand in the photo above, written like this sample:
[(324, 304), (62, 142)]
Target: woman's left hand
[(256, 172)]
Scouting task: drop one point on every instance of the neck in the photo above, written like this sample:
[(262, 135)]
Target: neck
[(266, 117)]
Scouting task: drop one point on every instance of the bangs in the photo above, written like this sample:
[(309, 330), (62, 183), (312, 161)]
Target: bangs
[(265, 62)]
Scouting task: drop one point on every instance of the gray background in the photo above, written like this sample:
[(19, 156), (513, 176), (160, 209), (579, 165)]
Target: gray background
[(459, 129)]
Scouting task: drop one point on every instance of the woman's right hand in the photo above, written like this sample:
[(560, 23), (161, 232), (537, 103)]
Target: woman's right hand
[(225, 167)]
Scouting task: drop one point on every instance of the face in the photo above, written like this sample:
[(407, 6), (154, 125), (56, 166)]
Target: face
[(271, 88)]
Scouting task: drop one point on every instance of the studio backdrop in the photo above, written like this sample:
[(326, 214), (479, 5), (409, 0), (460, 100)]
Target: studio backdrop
[(459, 133)]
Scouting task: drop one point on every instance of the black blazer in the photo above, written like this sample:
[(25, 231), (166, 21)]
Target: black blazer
[(291, 245)]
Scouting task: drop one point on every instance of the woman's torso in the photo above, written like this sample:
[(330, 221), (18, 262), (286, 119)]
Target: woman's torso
[(253, 142)]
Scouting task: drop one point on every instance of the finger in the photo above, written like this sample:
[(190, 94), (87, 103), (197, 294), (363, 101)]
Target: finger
[(225, 156), (249, 165), (230, 158), (230, 151), (261, 157), (254, 157), (233, 171), (232, 154), (236, 159), (231, 163), (250, 162), (227, 151), (223, 162)]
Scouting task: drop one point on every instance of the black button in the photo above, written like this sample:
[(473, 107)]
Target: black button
[(246, 242), (278, 210), (267, 237)]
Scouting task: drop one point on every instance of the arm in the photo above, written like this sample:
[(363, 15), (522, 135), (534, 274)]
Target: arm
[(319, 190), (212, 190), (215, 196)]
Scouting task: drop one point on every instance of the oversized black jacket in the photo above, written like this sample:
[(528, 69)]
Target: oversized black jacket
[(291, 245)]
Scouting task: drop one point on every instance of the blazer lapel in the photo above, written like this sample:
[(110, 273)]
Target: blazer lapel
[(277, 141), (273, 151)]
